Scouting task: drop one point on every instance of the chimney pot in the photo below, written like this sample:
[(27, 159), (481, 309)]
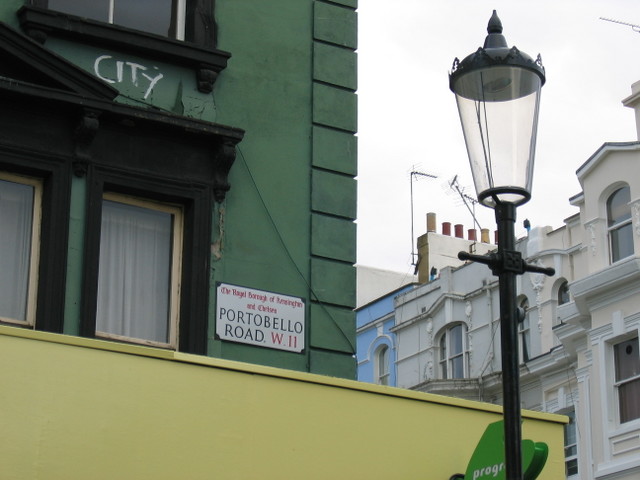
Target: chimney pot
[(446, 228), (431, 222), (484, 235), (459, 229), (472, 234)]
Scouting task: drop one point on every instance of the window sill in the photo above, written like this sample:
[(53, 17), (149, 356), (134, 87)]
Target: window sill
[(39, 23)]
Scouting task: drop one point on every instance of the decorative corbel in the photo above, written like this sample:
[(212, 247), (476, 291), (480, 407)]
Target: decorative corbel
[(84, 134), (224, 157), (206, 78)]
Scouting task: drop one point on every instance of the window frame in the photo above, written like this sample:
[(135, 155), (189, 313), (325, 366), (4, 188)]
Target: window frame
[(177, 232), (199, 28), (572, 458), (564, 294), (197, 51), (34, 247), (196, 203), (383, 364), (617, 383), (615, 226), (178, 10), (446, 359), (54, 175)]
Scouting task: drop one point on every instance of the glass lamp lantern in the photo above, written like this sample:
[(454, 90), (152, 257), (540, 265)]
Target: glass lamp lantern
[(497, 90)]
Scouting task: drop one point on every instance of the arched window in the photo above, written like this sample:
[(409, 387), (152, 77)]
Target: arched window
[(563, 293), (453, 355), (525, 332), (382, 365), (619, 224)]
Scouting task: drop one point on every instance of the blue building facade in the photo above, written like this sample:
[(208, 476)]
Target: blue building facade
[(376, 344)]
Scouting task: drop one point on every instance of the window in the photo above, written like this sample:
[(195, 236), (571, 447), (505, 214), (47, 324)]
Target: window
[(619, 224), (627, 379), (161, 17), (570, 444), (20, 210), (524, 331), (563, 294), (382, 364), (139, 271), (452, 352), (150, 232)]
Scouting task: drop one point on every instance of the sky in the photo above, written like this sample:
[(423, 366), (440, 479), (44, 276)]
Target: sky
[(408, 119)]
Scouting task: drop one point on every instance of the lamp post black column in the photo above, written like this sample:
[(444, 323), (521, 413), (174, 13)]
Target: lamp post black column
[(505, 219), (497, 90)]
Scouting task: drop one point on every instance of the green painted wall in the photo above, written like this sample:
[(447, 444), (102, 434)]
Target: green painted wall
[(287, 224), (293, 187)]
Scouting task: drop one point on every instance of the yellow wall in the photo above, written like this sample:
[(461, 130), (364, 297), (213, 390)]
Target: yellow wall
[(73, 408)]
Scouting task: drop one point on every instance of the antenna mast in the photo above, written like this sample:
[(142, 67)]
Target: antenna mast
[(415, 174), (454, 185), (635, 28)]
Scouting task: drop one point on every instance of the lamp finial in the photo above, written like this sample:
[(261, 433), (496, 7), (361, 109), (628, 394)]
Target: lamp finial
[(495, 25)]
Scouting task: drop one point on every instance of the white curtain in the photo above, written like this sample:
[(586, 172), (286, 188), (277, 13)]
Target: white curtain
[(134, 272), (16, 214)]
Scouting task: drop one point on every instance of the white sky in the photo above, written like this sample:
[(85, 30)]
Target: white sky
[(408, 118)]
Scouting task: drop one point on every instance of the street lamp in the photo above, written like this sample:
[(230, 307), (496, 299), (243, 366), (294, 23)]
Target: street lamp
[(497, 90)]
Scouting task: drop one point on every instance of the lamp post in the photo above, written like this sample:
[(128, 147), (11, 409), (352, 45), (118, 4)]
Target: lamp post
[(497, 90)]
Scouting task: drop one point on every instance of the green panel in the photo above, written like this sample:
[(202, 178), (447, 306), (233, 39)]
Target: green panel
[(335, 150), (8, 10), (334, 194), (333, 237), (333, 328), (261, 356), (335, 65), (335, 107), (73, 294), (335, 24), (332, 364), (333, 282)]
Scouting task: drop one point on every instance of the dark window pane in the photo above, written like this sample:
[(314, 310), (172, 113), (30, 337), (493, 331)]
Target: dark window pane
[(627, 360), (456, 340), (621, 242), (572, 467), (618, 208), (563, 294), (93, 9), (457, 367), (153, 16), (629, 393)]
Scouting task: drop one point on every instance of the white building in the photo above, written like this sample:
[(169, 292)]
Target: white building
[(579, 337)]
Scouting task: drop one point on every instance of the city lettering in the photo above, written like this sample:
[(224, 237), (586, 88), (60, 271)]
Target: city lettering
[(126, 72)]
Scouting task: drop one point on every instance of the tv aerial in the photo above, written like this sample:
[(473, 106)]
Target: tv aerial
[(635, 28), (415, 175), (466, 199)]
